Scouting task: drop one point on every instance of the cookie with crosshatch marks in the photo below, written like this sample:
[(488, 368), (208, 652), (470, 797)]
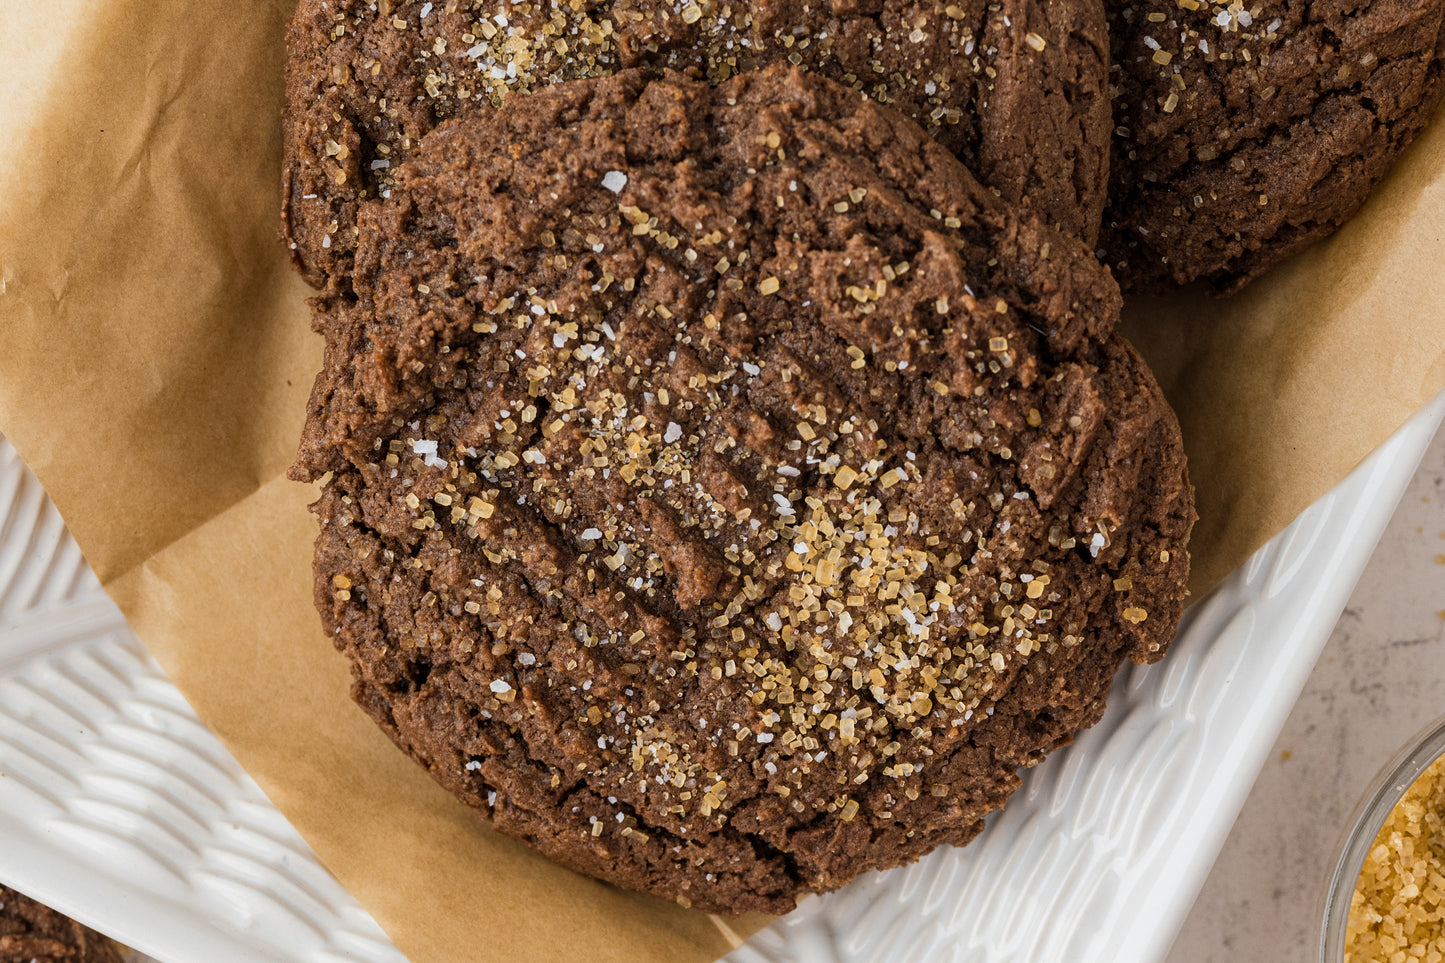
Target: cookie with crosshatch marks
[(1247, 131), (727, 494), (1015, 88), (31, 932)]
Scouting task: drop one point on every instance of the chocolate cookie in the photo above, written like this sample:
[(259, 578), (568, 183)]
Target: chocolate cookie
[(728, 494), (1246, 132), (33, 933), (1015, 88)]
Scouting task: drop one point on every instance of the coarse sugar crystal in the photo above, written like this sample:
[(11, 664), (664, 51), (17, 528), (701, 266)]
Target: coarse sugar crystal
[(1398, 909)]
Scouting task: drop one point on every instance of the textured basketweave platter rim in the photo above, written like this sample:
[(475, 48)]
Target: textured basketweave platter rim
[(118, 807)]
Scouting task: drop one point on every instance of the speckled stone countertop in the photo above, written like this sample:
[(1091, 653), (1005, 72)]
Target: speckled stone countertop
[(1380, 680)]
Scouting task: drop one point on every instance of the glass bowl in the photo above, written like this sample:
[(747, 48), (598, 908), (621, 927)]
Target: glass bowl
[(1397, 776)]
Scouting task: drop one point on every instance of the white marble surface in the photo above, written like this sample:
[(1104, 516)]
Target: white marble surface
[(1380, 680)]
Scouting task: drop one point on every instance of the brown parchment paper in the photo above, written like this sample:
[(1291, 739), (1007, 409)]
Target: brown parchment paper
[(155, 358)]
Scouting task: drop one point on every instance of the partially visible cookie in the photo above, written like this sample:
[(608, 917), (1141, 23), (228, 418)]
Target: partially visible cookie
[(33, 933), (1247, 131), (1015, 88), (728, 494)]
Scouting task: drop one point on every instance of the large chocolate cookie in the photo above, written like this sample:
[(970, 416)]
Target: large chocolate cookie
[(33, 933), (729, 494), (1015, 88), (1247, 131)]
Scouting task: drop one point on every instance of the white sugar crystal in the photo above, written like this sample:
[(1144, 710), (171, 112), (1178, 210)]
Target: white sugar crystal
[(614, 181), (428, 452), (499, 686)]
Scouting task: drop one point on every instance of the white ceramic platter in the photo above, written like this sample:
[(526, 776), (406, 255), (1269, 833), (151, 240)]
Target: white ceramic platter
[(118, 807)]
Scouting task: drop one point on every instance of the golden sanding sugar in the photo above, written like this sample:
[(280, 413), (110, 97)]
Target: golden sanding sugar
[(1397, 914)]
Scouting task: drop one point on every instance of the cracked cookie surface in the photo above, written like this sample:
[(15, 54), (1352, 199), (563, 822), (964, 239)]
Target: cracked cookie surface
[(725, 493), (1015, 88), (1247, 131)]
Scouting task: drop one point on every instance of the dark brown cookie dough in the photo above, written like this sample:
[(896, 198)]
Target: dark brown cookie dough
[(33, 933), (729, 495), (1015, 88), (1247, 131)]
